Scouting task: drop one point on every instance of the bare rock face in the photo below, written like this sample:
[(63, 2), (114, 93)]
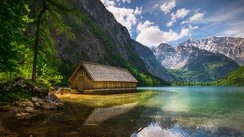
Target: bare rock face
[(91, 46), (228, 46), (174, 58)]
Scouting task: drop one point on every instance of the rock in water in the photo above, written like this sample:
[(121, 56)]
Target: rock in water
[(52, 98), (50, 102)]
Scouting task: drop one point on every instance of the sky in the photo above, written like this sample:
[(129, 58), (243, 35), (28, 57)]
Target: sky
[(152, 22)]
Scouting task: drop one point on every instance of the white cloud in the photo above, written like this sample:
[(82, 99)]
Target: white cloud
[(107, 3), (197, 17), (138, 11), (124, 1), (168, 6), (227, 21), (225, 14), (193, 27), (156, 5), (125, 16), (150, 34), (180, 13), (233, 30), (169, 24)]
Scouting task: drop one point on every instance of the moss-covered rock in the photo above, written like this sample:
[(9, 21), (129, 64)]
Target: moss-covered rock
[(20, 88)]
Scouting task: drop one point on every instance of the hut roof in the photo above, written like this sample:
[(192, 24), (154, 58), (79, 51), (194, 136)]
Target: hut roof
[(99, 72)]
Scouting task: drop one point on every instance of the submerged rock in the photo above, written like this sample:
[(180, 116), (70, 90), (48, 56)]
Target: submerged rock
[(22, 114), (27, 108)]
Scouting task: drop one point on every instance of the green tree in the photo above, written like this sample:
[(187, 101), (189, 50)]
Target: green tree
[(48, 18), (13, 16)]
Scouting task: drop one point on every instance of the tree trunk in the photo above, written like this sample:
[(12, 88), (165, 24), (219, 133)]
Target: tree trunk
[(36, 44)]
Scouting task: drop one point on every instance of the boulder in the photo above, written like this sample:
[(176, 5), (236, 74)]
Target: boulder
[(50, 102), (30, 109), (52, 98), (21, 84)]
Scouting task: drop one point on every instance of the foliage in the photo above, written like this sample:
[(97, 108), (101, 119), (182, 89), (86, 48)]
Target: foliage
[(19, 88), (13, 96), (235, 78), (13, 41), (16, 55), (48, 23), (13, 18)]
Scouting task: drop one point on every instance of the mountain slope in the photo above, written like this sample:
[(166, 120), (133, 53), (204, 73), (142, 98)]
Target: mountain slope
[(151, 63), (100, 38), (189, 63), (235, 78), (228, 46)]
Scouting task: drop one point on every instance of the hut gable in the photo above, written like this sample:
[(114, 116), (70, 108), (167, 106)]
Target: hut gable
[(98, 72)]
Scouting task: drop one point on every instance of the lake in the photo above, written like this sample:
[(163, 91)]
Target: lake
[(150, 112)]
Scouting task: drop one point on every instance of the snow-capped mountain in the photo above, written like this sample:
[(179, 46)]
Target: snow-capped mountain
[(194, 64), (228, 46)]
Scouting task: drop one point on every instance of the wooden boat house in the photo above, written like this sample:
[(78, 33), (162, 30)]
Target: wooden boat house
[(92, 76)]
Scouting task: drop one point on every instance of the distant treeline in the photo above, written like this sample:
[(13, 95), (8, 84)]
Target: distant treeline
[(235, 78)]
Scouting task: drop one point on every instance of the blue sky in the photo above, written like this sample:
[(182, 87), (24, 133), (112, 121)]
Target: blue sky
[(152, 22)]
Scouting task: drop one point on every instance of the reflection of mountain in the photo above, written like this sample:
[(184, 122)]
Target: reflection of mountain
[(155, 130)]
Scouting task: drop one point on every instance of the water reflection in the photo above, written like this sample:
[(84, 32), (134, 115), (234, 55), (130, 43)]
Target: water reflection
[(155, 130), (167, 111), (101, 114)]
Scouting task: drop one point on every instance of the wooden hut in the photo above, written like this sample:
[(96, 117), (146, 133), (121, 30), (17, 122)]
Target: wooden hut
[(92, 76)]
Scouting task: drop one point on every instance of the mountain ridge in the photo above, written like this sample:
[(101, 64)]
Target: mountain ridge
[(232, 47), (189, 63)]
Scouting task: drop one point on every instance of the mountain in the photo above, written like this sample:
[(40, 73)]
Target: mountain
[(171, 58), (151, 62), (100, 38), (235, 78), (189, 63), (229, 46)]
